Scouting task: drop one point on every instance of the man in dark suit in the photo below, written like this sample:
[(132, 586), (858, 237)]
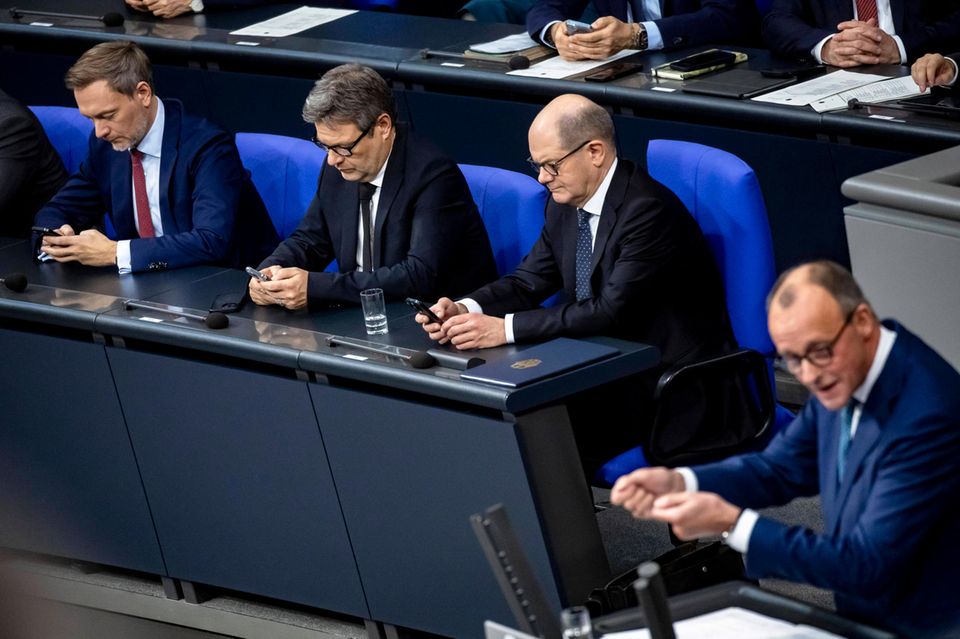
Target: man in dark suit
[(642, 24), (391, 208), (879, 441), (849, 33), (172, 184), (935, 70), (30, 169), (630, 260)]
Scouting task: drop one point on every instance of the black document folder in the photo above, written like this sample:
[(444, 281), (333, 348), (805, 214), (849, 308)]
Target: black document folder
[(739, 84), (538, 362)]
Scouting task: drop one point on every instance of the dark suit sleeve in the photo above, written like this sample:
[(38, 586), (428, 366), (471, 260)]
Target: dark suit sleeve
[(309, 247), (19, 148), (81, 202), (716, 21), (546, 11), (790, 28), (217, 179), (941, 34)]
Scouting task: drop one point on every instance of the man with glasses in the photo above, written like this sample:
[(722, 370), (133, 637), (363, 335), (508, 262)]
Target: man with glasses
[(879, 441), (391, 208), (628, 257)]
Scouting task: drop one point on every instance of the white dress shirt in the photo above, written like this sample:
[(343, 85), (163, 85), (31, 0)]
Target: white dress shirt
[(884, 23), (594, 207), (374, 204), (150, 146)]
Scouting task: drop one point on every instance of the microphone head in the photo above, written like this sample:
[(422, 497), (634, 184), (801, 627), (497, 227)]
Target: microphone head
[(112, 19), (518, 62), (421, 360), (216, 320), (16, 282)]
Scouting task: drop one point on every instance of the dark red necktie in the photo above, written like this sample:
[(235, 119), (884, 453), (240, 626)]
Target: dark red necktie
[(866, 9), (140, 195)]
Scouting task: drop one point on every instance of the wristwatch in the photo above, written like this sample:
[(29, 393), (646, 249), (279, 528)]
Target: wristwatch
[(640, 39)]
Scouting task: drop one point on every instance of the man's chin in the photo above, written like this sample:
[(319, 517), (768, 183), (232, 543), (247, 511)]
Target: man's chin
[(122, 147)]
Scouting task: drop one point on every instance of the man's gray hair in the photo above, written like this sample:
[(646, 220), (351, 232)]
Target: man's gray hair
[(829, 276), (588, 122), (350, 93)]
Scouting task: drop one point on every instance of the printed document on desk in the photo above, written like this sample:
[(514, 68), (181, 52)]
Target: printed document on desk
[(508, 44), (733, 623), (826, 85), (557, 68), (895, 89), (292, 22)]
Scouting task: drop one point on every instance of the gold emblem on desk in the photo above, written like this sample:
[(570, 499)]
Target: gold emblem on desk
[(526, 363)]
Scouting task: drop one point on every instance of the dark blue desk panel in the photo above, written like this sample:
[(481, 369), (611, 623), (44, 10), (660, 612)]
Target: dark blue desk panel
[(69, 484), (237, 478)]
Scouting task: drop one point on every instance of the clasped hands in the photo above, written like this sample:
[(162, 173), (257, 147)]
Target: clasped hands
[(461, 328), (90, 247), (161, 8), (609, 36), (658, 493), (858, 43)]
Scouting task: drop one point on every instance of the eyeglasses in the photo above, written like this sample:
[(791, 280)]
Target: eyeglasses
[(343, 150), (819, 355), (553, 168)]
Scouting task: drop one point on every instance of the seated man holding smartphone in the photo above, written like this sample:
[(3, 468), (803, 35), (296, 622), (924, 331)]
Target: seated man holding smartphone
[(396, 213), (641, 25)]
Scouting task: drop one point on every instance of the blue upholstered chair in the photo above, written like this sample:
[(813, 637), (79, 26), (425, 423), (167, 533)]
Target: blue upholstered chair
[(69, 132), (763, 6), (723, 195), (511, 205)]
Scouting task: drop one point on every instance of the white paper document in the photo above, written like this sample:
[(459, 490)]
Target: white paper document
[(556, 68), (292, 22), (733, 623), (895, 89), (508, 44), (812, 90)]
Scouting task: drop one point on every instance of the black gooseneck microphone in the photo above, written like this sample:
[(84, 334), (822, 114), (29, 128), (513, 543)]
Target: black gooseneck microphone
[(514, 63), (16, 282), (110, 19), (652, 596), (417, 359), (215, 320)]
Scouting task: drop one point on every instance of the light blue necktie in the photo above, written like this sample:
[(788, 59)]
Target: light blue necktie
[(584, 255), (846, 426)]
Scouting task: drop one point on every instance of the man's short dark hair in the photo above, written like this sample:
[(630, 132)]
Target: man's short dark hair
[(587, 122), (830, 276), (122, 64), (350, 93)]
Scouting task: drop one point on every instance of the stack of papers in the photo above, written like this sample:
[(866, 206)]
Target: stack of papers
[(557, 67), (292, 22), (832, 92), (733, 623)]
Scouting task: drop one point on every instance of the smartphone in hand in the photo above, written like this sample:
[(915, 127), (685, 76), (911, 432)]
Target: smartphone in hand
[(421, 307)]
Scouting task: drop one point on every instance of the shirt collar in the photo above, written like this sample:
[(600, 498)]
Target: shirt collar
[(885, 345), (152, 142), (594, 205)]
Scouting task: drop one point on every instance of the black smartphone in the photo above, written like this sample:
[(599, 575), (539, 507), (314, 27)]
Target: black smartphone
[(613, 72), (421, 307), (252, 272), (709, 58), (44, 231)]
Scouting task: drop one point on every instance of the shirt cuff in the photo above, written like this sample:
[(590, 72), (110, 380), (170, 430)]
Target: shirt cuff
[(508, 327), (903, 52), (690, 483), (818, 47), (955, 71), (739, 538), (472, 306), (545, 31), (654, 38), (123, 256)]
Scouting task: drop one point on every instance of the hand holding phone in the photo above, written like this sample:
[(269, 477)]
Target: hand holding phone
[(421, 307), (252, 272), (44, 231), (575, 26)]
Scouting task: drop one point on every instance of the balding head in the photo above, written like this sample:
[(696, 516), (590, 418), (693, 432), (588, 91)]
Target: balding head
[(576, 134)]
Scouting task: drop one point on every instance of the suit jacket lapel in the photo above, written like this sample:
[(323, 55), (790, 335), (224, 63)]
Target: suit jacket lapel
[(896, 12), (608, 217), (122, 213), (168, 159), (568, 266), (350, 220), (392, 180)]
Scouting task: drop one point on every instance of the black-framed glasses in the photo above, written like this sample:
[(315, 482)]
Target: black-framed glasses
[(553, 168), (343, 150), (819, 355)]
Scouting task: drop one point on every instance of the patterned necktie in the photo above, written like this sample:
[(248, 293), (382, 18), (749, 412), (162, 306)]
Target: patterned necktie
[(144, 222), (866, 9), (846, 427), (366, 195), (584, 255)]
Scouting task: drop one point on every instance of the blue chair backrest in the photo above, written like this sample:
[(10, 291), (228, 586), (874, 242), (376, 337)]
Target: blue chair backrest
[(69, 132), (763, 6), (723, 195), (511, 205), (285, 171)]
